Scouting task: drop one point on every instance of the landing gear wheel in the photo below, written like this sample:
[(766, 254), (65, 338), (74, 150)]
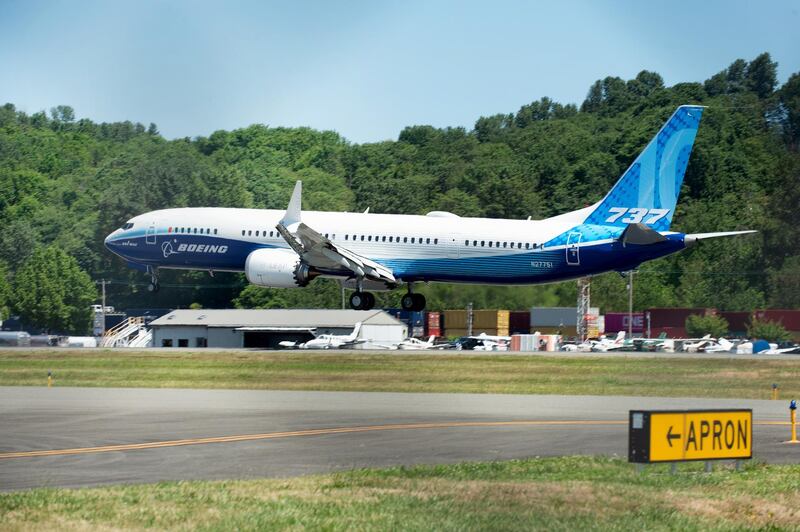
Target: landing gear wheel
[(413, 302), (153, 287), (362, 301)]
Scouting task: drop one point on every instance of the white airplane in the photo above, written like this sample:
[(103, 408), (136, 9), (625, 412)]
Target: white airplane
[(412, 344), (327, 341), (720, 345), (696, 345), (367, 251), (605, 344)]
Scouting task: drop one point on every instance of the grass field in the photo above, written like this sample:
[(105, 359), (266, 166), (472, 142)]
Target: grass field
[(572, 493), (581, 374)]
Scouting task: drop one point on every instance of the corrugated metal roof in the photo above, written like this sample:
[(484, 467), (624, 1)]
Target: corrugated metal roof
[(275, 318)]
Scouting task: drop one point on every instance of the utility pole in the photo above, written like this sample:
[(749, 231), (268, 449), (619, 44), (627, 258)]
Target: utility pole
[(103, 310), (630, 303), (469, 319)]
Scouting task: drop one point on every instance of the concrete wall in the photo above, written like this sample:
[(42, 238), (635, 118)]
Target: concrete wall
[(176, 333)]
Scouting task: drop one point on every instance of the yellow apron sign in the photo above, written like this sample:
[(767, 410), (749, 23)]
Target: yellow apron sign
[(674, 436)]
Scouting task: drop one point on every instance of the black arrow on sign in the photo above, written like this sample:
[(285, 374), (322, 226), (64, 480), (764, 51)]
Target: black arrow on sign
[(671, 436)]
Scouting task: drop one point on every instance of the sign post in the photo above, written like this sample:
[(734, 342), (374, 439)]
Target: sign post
[(685, 435)]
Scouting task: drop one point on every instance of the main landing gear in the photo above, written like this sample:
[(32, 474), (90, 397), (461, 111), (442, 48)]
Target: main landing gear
[(412, 301), (362, 300), (153, 287)]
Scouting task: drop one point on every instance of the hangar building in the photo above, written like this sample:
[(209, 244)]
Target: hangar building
[(266, 327)]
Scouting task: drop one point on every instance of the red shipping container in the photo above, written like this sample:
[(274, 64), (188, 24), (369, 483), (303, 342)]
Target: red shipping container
[(790, 319), (618, 321), (737, 321), (433, 324), (674, 317), (672, 332)]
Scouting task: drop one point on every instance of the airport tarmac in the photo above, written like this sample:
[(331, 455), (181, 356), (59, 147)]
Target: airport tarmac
[(95, 436)]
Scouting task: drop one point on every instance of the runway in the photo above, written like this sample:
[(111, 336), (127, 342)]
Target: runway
[(95, 436)]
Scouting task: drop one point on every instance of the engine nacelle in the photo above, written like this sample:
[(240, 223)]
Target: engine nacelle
[(277, 268)]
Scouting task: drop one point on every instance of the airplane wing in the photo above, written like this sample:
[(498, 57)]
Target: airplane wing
[(319, 252)]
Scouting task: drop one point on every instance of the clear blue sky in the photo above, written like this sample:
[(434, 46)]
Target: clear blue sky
[(363, 68)]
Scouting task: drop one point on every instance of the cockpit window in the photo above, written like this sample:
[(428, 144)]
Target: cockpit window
[(127, 226)]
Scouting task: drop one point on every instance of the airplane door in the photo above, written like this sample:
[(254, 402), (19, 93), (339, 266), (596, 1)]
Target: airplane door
[(573, 249), (150, 236), (453, 246)]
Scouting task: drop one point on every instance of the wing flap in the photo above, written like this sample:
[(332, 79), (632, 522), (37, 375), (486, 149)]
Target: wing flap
[(319, 251)]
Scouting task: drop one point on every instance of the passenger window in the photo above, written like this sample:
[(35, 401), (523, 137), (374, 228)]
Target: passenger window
[(215, 231), (362, 238), (483, 242), (208, 231), (326, 235), (505, 244), (527, 245), (256, 233), (250, 233), (270, 233), (383, 239), (405, 239), (435, 240), (242, 232), (412, 239), (369, 238), (466, 242), (345, 236), (427, 240), (390, 239), (490, 243), (474, 242)]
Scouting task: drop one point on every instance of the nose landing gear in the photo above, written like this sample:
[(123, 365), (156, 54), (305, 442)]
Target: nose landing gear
[(153, 287)]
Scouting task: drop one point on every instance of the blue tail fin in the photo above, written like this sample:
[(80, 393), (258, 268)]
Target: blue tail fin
[(648, 191)]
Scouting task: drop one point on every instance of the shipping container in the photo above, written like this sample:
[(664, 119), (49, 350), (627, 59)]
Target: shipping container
[(674, 317), (482, 321), (414, 320), (566, 331), (790, 319), (519, 321), (618, 321), (737, 321), (671, 332), (455, 333), (555, 316), (524, 342), (433, 324)]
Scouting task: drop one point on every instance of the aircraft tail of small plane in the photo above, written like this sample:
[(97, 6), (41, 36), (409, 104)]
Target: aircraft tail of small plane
[(648, 190)]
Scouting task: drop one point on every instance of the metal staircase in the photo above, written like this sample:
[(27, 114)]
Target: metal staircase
[(128, 333)]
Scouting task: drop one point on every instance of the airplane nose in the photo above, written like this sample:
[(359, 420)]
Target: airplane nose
[(109, 242)]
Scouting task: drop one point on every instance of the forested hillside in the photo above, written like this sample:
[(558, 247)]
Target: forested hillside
[(66, 183)]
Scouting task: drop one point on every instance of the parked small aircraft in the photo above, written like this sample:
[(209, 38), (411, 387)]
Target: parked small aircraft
[(328, 341)]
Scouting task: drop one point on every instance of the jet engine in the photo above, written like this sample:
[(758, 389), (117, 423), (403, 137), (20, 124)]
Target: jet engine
[(277, 268)]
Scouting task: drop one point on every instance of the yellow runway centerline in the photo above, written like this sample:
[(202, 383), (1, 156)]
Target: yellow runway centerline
[(298, 433), (319, 432)]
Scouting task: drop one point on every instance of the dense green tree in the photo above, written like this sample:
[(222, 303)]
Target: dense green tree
[(53, 293), (771, 331), (68, 182)]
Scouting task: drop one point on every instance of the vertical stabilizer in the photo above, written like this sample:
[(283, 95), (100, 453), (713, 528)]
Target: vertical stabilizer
[(648, 190)]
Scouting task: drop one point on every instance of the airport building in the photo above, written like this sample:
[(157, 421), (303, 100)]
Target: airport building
[(267, 327)]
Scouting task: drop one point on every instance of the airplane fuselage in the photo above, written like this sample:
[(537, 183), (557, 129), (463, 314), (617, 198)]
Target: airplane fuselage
[(435, 247)]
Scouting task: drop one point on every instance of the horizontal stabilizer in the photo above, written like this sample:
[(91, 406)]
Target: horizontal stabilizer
[(640, 235), (693, 238)]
